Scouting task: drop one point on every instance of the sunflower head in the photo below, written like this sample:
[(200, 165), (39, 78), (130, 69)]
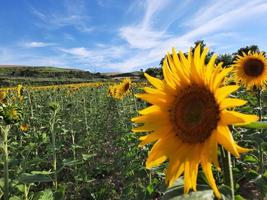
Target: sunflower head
[(11, 114), (251, 70), (24, 127), (54, 106), (126, 85), (2, 96), (188, 117), (120, 90)]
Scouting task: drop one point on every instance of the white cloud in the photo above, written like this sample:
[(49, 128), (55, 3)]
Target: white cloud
[(79, 52), (210, 22), (142, 38), (36, 44)]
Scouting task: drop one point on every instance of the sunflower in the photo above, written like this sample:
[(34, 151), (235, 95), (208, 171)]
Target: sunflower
[(24, 127), (251, 70), (124, 87), (120, 90), (188, 117), (2, 96)]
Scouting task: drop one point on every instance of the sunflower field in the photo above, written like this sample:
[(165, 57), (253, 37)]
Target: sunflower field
[(199, 133)]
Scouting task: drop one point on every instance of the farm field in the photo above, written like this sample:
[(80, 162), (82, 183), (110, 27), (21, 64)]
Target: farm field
[(75, 142)]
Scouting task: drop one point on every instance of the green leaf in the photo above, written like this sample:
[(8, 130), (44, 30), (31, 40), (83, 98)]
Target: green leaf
[(44, 195), (14, 198), (33, 178), (60, 193), (88, 156), (257, 125), (177, 192), (1, 183), (1, 193), (250, 158), (72, 162), (41, 172), (239, 197)]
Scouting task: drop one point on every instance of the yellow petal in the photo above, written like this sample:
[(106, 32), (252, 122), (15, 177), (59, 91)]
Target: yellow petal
[(219, 77), (233, 117), (210, 68), (187, 177), (241, 149), (225, 138), (148, 110), (208, 173), (230, 102), (223, 92), (168, 77), (152, 137), (159, 100), (157, 83)]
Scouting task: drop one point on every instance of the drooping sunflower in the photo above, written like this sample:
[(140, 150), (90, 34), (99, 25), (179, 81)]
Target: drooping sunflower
[(188, 117), (120, 90), (251, 70), (124, 87)]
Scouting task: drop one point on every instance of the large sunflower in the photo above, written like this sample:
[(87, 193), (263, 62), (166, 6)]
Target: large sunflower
[(251, 69), (188, 117)]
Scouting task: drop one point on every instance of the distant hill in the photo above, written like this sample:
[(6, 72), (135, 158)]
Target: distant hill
[(11, 75)]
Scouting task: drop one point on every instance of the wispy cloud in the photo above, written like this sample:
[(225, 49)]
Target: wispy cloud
[(36, 44), (73, 13), (138, 36), (206, 23)]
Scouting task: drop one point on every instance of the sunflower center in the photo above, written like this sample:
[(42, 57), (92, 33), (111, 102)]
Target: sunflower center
[(195, 114), (253, 67), (126, 86)]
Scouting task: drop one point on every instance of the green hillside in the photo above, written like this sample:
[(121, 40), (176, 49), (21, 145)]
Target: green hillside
[(44, 75)]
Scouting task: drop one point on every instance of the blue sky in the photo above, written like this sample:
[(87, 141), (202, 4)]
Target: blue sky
[(123, 35)]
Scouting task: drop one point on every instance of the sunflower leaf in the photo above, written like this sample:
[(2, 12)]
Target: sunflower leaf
[(257, 125)]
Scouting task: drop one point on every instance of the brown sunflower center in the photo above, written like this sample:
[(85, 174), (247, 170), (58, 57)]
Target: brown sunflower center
[(195, 114), (126, 86), (253, 67)]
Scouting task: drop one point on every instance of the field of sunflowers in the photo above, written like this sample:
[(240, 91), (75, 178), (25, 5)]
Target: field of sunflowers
[(197, 134)]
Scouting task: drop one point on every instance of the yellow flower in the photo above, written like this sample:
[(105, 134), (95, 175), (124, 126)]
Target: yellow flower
[(188, 117), (251, 70), (123, 88), (120, 90), (2, 96), (19, 92), (24, 127)]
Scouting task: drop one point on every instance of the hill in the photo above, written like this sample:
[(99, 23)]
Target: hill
[(11, 75)]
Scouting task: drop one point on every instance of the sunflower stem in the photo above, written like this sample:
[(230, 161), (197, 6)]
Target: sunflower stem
[(85, 115), (259, 100), (5, 131), (54, 162), (227, 171)]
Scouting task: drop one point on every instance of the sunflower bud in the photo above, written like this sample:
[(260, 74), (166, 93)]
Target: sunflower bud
[(54, 106), (11, 114)]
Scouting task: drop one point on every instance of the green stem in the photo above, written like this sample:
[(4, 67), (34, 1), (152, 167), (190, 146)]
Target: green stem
[(227, 171), (26, 192), (54, 162), (5, 131), (85, 115), (261, 160)]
